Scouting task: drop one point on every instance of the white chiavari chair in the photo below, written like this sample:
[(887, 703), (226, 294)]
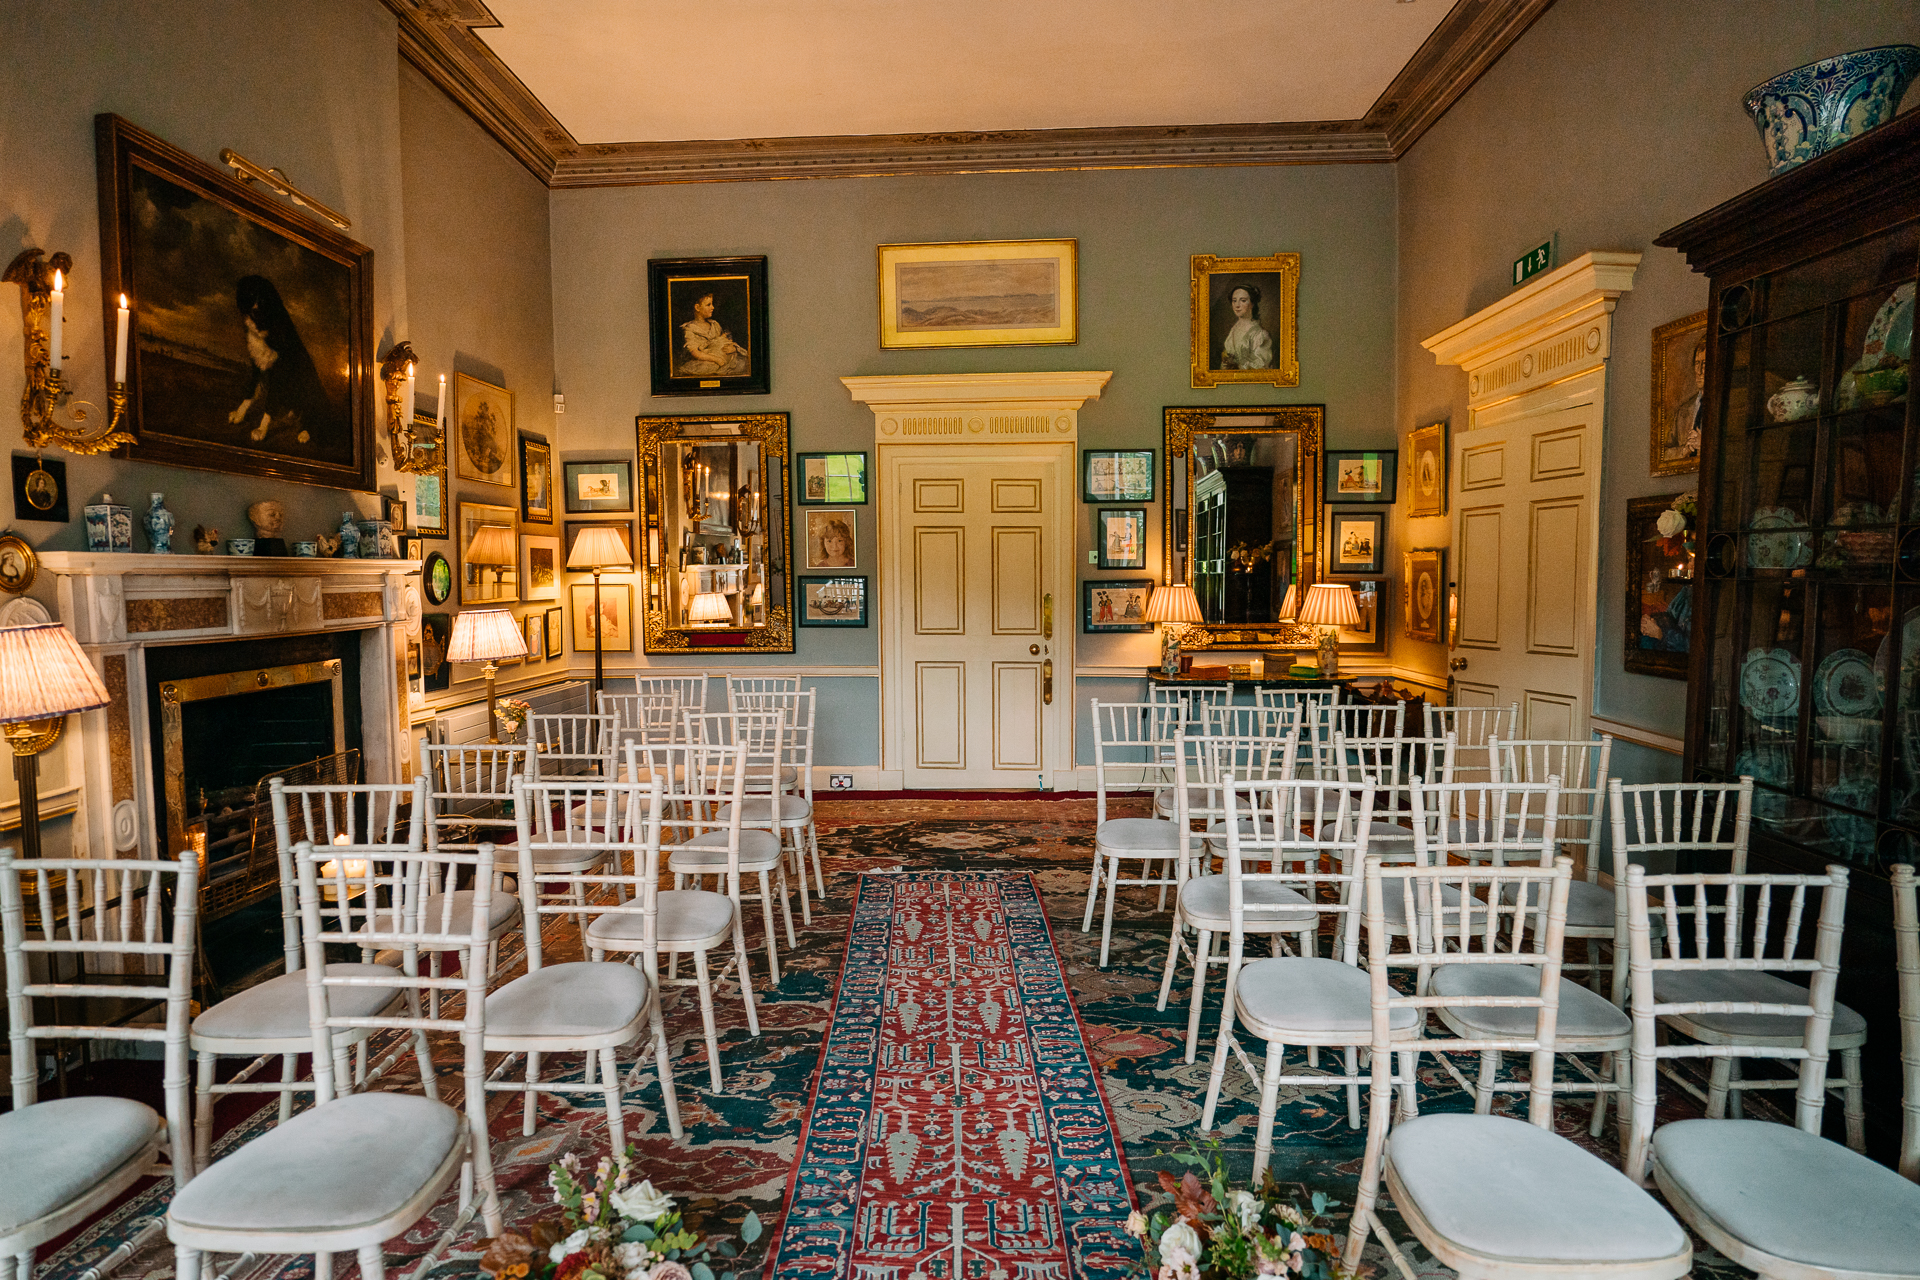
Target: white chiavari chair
[(572, 746), (1471, 727), (269, 1019), (593, 1006), (1151, 844), (1778, 1199), (65, 1159), (738, 685), (1200, 903), (1179, 708), (1217, 720), (690, 689), (1395, 766), (469, 789), (1362, 721), (644, 717), (796, 809), (1493, 1197), (1309, 1001), (1581, 766), (360, 1168)]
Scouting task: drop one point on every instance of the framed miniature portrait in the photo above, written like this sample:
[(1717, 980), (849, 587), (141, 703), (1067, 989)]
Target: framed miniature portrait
[(1426, 595), (536, 480), (482, 432), (830, 540)]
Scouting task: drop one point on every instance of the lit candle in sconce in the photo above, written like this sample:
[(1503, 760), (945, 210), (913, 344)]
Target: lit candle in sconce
[(443, 407), (120, 343), (57, 320), (406, 406)]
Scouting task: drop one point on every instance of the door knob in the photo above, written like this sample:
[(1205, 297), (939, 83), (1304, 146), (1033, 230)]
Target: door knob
[(1034, 649), (1457, 664)]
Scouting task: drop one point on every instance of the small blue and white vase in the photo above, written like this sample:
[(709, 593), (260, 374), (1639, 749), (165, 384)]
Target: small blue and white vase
[(159, 524), (349, 535)]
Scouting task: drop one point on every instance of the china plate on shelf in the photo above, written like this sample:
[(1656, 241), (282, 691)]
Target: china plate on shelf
[(1792, 550), (1770, 684), (1774, 767), (1844, 685), (1852, 830)]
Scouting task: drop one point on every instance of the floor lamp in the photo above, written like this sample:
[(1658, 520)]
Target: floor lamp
[(44, 677), (598, 547), (482, 635)]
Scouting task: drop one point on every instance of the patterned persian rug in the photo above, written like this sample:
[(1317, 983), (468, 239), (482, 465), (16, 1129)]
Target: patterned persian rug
[(744, 1145)]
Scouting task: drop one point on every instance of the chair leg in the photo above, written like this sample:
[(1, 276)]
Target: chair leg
[(798, 857), (786, 901), (423, 1058), (323, 1266), (1609, 1074), (529, 1103), (1093, 889), (744, 975), (1217, 1073), (706, 1019), (813, 844), (773, 943), (1717, 1088), (186, 1264), (1856, 1101), (1269, 1103), (663, 1067), (1202, 953), (1489, 1076), (1174, 938), (373, 1262), (616, 1112), (1106, 926), (1409, 1098), (203, 1114)]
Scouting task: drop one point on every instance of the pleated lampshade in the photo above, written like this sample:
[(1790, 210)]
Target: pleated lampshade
[(709, 607), (1329, 604), (1290, 607), (45, 673), (492, 544), (482, 635), (1174, 602), (599, 546)]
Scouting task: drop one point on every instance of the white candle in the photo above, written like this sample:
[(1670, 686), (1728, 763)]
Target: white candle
[(443, 406), (406, 405), (58, 318), (120, 343)]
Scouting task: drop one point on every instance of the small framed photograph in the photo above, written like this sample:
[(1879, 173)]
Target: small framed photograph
[(1425, 590), (539, 567), (1369, 597), (615, 620), (709, 326), (821, 478), (986, 293), (556, 629), (1355, 475), (536, 480), (1243, 320), (1659, 594), (1357, 542), (394, 512), (831, 602), (39, 489), (1428, 448), (1121, 535), (1116, 475), (482, 431), (534, 631), (570, 534), (429, 501), (830, 541), (1115, 605), (1679, 395), (601, 487)]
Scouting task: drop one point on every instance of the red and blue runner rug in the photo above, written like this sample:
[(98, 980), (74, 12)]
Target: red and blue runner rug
[(958, 1130)]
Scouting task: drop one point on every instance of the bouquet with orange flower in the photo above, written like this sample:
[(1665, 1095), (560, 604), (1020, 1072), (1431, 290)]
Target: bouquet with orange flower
[(1218, 1232)]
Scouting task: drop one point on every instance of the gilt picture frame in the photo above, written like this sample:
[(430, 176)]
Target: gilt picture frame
[(1245, 320), (1679, 396), (1427, 460), (981, 293), (481, 432), (536, 480), (1659, 613), (1424, 595)]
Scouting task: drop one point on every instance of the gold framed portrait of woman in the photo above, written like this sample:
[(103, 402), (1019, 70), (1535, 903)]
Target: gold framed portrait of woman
[(1245, 314)]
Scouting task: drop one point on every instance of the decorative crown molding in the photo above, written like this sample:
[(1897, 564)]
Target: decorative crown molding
[(437, 36)]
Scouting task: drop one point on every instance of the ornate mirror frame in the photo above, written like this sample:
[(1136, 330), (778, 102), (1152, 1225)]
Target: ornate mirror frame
[(1307, 423), (768, 546)]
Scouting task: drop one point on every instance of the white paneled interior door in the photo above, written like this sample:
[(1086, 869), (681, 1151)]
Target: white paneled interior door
[(976, 547)]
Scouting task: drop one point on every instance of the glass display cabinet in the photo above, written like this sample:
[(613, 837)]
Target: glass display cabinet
[(1805, 651)]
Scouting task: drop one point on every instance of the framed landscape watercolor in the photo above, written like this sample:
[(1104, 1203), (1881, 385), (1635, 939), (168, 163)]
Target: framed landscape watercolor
[(601, 487), (1427, 446), (1116, 475), (831, 602), (1115, 605), (829, 477), (1362, 475), (984, 293), (1243, 320), (481, 434), (708, 326), (252, 342), (539, 567)]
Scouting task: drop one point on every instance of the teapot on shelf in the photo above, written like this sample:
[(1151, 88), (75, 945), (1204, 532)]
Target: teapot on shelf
[(1796, 400)]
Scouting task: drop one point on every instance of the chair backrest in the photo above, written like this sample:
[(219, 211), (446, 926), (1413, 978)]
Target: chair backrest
[(738, 685), (1191, 698), (643, 715), (102, 909), (572, 746), (690, 689), (1664, 819), (1760, 926), (1305, 704), (1212, 762), (575, 819), (374, 820), (1244, 722), (797, 706), (1581, 766), (1471, 727), (1497, 824), (468, 780), (1299, 827), (1127, 735), (1906, 945), (1360, 719), (704, 785), (761, 734)]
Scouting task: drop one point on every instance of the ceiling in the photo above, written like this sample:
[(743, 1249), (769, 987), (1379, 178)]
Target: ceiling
[(600, 92)]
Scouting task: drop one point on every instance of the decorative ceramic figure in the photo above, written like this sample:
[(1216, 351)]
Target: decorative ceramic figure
[(159, 523), (267, 518), (326, 544), (206, 541), (1810, 110), (349, 535), (1797, 400)]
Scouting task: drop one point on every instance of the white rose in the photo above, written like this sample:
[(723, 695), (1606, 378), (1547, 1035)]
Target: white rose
[(643, 1203), (1245, 1207), (636, 1261), (572, 1244), (1671, 523), (1179, 1240)]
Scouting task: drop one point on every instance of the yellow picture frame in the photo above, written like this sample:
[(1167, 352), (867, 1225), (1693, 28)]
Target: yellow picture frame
[(1225, 345), (982, 293)]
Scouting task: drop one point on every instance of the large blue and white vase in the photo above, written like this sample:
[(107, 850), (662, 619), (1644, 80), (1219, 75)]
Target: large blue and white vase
[(159, 523), (1810, 110)]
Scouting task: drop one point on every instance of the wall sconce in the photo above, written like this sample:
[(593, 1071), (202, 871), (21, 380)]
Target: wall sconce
[(42, 283), (410, 453), (695, 476)]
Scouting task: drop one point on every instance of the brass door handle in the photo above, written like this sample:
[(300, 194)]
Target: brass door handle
[(1046, 682), (1457, 664), (1034, 649)]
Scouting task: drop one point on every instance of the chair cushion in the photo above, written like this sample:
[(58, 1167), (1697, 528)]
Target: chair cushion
[(686, 915), (1137, 835), (1675, 986), (1389, 836), (1583, 1014), (1501, 1188), (1204, 900), (1287, 995), (58, 1151), (793, 809), (1589, 906), (1792, 1194), (348, 1163), (583, 998), (277, 1008), (504, 907), (1393, 905), (759, 851)]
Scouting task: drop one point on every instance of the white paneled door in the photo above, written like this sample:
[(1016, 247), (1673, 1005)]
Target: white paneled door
[(976, 544)]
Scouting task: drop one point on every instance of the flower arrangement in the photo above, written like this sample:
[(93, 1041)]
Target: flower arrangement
[(1677, 523), (513, 713), (1215, 1232), (610, 1228)]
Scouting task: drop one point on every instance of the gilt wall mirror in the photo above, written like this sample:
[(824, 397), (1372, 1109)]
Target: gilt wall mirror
[(715, 545), (1241, 509)]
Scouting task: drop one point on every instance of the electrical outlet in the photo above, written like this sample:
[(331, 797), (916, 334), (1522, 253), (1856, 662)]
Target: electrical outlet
[(840, 781)]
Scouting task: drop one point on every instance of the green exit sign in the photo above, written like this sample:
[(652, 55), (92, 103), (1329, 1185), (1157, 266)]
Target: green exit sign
[(1532, 262)]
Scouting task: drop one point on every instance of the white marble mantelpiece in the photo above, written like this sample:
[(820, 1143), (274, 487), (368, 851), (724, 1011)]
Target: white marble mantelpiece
[(121, 605)]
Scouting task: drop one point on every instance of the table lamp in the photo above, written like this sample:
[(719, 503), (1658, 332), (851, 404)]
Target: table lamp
[(710, 609), (598, 547), (45, 676), (1329, 606), (482, 635), (493, 545), (1290, 607), (1172, 602)]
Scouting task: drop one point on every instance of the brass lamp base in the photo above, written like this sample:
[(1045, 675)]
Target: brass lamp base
[(488, 673), (29, 738)]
